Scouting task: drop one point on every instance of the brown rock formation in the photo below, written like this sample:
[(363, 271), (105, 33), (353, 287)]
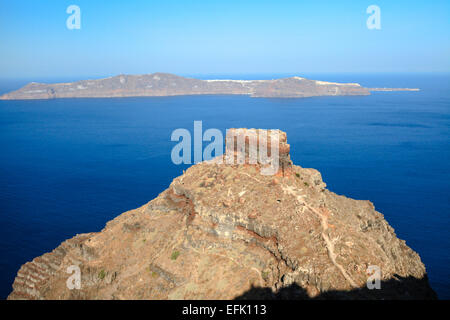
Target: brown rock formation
[(249, 145), (225, 231)]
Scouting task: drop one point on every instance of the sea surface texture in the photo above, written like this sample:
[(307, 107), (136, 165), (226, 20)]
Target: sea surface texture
[(68, 166)]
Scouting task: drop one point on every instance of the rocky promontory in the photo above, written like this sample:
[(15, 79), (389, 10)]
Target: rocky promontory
[(226, 231), (165, 84)]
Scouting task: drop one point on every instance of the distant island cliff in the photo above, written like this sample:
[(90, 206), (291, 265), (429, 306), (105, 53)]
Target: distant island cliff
[(165, 84)]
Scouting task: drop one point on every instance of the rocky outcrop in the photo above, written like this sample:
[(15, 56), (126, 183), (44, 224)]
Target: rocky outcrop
[(225, 231)]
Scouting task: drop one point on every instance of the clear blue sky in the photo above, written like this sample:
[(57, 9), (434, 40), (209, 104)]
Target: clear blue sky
[(221, 37)]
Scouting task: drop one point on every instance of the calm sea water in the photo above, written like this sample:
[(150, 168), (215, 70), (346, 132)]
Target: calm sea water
[(67, 166)]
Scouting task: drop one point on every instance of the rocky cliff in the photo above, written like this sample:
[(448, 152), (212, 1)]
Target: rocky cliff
[(225, 231), (165, 84)]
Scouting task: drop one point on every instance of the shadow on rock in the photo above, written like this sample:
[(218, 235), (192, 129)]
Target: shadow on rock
[(397, 288)]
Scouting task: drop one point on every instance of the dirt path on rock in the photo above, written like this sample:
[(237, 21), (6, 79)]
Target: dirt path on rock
[(324, 223)]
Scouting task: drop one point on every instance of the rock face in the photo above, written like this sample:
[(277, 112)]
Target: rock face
[(224, 231), (256, 147), (164, 84)]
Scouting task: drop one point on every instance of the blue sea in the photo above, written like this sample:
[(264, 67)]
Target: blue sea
[(68, 166)]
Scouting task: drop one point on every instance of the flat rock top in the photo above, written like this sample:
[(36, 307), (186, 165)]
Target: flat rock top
[(227, 231)]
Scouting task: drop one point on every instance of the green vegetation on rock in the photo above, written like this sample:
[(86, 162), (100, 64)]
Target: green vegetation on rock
[(175, 255)]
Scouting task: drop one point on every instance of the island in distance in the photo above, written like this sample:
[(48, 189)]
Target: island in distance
[(165, 84)]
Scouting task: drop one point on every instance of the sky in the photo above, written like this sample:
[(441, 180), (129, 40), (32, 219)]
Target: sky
[(221, 37)]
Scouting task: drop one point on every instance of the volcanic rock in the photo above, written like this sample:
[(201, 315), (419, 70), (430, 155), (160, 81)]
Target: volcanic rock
[(225, 231)]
